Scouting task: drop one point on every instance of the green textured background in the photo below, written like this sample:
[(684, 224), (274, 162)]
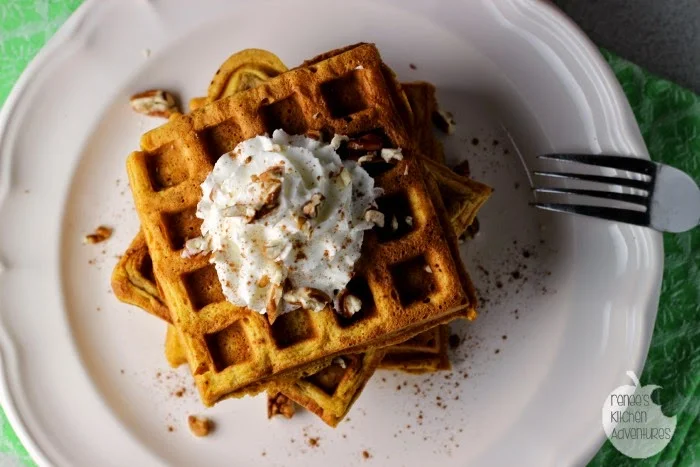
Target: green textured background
[(669, 118)]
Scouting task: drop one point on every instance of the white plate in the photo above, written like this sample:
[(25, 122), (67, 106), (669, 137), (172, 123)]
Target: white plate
[(80, 370)]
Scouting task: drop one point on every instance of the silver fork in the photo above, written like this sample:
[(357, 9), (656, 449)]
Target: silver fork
[(670, 201)]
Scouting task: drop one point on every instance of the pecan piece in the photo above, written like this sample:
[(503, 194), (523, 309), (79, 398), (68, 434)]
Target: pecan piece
[(200, 426), (279, 404), (154, 103), (391, 154), (345, 176), (313, 206), (375, 217), (367, 143), (462, 169), (340, 361), (337, 140), (101, 234), (274, 299), (307, 298), (444, 121), (367, 158), (346, 304), (394, 223), (268, 186), (195, 246)]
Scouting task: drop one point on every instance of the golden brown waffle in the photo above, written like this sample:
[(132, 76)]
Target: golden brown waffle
[(133, 280), (174, 350), (233, 351), (424, 353), (241, 71), (421, 97), (331, 392), (244, 70), (463, 197), (133, 283)]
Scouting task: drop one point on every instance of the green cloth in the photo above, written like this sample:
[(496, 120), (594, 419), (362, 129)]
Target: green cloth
[(669, 118)]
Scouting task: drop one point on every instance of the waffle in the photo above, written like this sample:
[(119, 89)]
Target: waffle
[(133, 283), (424, 353), (421, 97), (330, 393), (241, 71), (463, 197), (133, 280), (233, 351)]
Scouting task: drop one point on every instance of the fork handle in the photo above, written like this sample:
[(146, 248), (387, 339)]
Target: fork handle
[(675, 204)]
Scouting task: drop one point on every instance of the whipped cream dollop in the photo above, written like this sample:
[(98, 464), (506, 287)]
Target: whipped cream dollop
[(284, 218)]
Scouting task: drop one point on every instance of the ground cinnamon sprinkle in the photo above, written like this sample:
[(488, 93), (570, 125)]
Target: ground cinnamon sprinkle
[(366, 454), (313, 442)]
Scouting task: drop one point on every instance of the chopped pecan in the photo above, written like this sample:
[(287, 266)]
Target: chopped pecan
[(264, 281), (337, 140), (367, 158), (345, 176), (444, 121), (375, 217), (307, 298), (473, 228), (462, 169), (200, 426), (391, 154), (314, 134), (154, 103), (312, 207), (368, 142), (279, 404), (346, 304), (195, 246), (101, 234), (394, 223), (269, 187), (274, 299), (340, 361)]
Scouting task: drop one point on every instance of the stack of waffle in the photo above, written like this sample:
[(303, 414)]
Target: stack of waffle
[(409, 278)]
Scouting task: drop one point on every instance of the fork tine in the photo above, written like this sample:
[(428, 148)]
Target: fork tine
[(627, 216), (639, 184), (630, 164), (627, 198)]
